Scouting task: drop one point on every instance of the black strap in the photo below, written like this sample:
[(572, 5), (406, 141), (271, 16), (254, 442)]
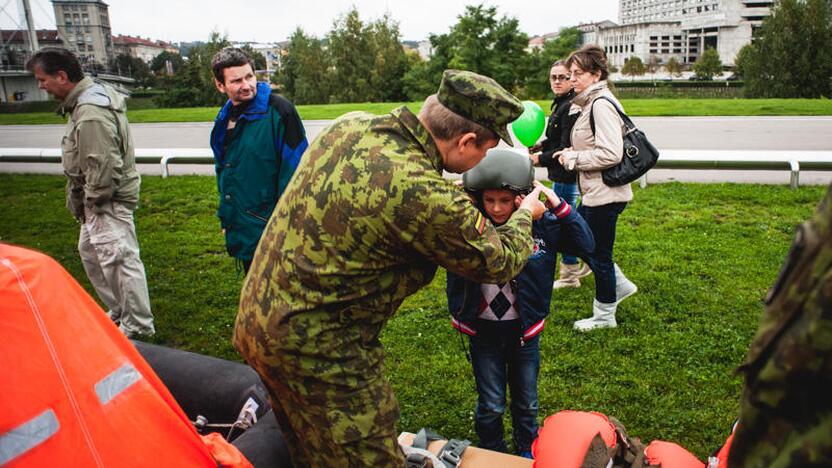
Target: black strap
[(629, 123), (424, 437)]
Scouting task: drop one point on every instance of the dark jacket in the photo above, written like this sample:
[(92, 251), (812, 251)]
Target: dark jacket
[(254, 165), (558, 131), (559, 230)]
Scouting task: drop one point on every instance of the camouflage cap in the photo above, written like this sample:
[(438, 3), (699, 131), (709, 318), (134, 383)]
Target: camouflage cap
[(479, 99)]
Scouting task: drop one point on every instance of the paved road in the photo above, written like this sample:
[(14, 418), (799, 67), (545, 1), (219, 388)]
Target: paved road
[(717, 133)]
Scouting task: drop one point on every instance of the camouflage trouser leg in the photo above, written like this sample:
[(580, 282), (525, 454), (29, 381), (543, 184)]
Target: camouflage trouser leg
[(350, 432)]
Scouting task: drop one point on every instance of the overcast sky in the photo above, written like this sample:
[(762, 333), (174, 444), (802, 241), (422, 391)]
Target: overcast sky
[(272, 21)]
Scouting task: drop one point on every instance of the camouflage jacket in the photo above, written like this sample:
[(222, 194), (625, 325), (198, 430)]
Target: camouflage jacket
[(97, 150), (362, 225), (786, 408)]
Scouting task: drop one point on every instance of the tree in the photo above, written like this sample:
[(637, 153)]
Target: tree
[(258, 58), (303, 75), (633, 67), (159, 63), (652, 66), (708, 64), (350, 50), (797, 38), (134, 67), (390, 62), (193, 85), (673, 67)]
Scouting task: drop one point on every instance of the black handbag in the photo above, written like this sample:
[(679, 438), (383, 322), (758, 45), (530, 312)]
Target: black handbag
[(639, 154)]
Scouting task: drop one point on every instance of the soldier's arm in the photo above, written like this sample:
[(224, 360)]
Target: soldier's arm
[(101, 160), (450, 231)]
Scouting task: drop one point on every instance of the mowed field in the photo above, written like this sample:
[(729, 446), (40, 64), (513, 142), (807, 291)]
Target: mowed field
[(703, 257), (635, 107)]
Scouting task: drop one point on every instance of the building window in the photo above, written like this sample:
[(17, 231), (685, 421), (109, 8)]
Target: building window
[(653, 51)]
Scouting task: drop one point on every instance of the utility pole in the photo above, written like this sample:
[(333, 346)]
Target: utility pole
[(30, 25)]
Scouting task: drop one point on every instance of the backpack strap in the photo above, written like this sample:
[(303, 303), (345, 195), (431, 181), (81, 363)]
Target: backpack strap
[(629, 123)]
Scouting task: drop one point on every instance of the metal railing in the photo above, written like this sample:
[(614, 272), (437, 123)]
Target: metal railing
[(792, 161)]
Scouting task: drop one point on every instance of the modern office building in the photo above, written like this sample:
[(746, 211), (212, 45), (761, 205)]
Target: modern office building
[(85, 27), (656, 30)]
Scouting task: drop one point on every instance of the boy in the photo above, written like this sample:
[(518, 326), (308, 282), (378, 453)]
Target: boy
[(503, 320)]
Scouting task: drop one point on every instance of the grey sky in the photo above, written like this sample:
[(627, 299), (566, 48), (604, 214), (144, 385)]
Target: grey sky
[(271, 21)]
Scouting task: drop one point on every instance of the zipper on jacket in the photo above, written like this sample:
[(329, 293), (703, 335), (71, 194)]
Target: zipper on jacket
[(251, 213)]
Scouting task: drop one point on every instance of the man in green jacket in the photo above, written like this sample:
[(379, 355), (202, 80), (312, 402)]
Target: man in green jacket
[(362, 225), (257, 140), (102, 189)]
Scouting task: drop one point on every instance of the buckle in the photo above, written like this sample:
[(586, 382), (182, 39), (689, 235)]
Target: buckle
[(449, 456)]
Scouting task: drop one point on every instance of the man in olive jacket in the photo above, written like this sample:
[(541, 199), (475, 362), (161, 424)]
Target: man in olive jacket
[(102, 189)]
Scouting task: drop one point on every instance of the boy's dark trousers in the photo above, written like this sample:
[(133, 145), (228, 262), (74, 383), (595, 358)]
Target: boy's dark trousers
[(499, 359)]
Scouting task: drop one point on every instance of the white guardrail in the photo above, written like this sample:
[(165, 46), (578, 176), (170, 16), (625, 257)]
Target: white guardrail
[(793, 161)]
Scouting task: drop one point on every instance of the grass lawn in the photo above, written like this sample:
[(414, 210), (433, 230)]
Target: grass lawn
[(703, 257), (635, 107)]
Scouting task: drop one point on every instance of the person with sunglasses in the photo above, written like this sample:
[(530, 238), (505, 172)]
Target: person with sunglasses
[(558, 129)]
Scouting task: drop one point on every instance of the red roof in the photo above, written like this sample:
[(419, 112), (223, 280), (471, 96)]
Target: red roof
[(131, 40), (21, 35)]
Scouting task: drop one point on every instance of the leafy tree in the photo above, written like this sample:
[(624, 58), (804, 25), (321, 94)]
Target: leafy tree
[(135, 68), (303, 75), (193, 85), (633, 67), (417, 82), (673, 67), (159, 63), (652, 66), (390, 62), (350, 49), (708, 64), (791, 55)]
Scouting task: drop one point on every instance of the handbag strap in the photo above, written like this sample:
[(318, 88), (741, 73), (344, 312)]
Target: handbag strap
[(629, 123)]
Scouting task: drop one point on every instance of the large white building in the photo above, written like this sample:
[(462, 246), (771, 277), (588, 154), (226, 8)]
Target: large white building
[(656, 30), (85, 27)]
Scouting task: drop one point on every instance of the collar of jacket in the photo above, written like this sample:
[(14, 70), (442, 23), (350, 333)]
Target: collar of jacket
[(256, 109), (590, 93), (412, 123), (562, 98), (71, 99)]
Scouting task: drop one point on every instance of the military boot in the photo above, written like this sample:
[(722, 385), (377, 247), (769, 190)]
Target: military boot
[(568, 277), (624, 288), (603, 316)]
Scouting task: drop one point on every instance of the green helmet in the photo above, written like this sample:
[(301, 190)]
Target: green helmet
[(500, 169)]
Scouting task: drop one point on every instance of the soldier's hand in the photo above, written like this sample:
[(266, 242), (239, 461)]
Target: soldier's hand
[(532, 203), (552, 199)]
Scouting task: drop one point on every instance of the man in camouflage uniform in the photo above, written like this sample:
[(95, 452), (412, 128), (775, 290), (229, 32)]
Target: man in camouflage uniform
[(786, 407), (361, 226)]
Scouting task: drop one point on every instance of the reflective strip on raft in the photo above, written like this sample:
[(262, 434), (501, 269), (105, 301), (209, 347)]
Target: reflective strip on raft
[(118, 381), (27, 436)]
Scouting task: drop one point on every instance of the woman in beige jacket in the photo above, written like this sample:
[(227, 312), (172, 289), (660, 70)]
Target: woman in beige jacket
[(590, 154)]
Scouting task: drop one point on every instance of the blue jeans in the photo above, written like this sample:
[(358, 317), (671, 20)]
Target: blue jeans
[(570, 194), (499, 360), (602, 220)]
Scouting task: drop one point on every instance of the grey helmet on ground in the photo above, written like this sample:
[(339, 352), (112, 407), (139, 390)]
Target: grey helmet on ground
[(500, 169)]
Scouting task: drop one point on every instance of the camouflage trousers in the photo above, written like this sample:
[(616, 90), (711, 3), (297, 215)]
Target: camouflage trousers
[(328, 391)]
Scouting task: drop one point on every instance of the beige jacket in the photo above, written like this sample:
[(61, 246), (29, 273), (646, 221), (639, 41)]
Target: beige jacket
[(594, 153), (97, 150)]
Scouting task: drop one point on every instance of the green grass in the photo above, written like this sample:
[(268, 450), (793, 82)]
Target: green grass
[(635, 107), (703, 257)]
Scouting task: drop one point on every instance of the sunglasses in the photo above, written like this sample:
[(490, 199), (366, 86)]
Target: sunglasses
[(559, 78)]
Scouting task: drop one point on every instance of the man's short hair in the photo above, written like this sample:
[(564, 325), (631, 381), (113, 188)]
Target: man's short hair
[(444, 124), (226, 58), (54, 59)]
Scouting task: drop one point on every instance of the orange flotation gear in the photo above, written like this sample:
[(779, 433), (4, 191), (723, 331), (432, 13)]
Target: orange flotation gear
[(567, 438), (75, 392)]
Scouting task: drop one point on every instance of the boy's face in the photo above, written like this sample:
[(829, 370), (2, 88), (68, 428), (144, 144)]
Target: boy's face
[(499, 204)]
